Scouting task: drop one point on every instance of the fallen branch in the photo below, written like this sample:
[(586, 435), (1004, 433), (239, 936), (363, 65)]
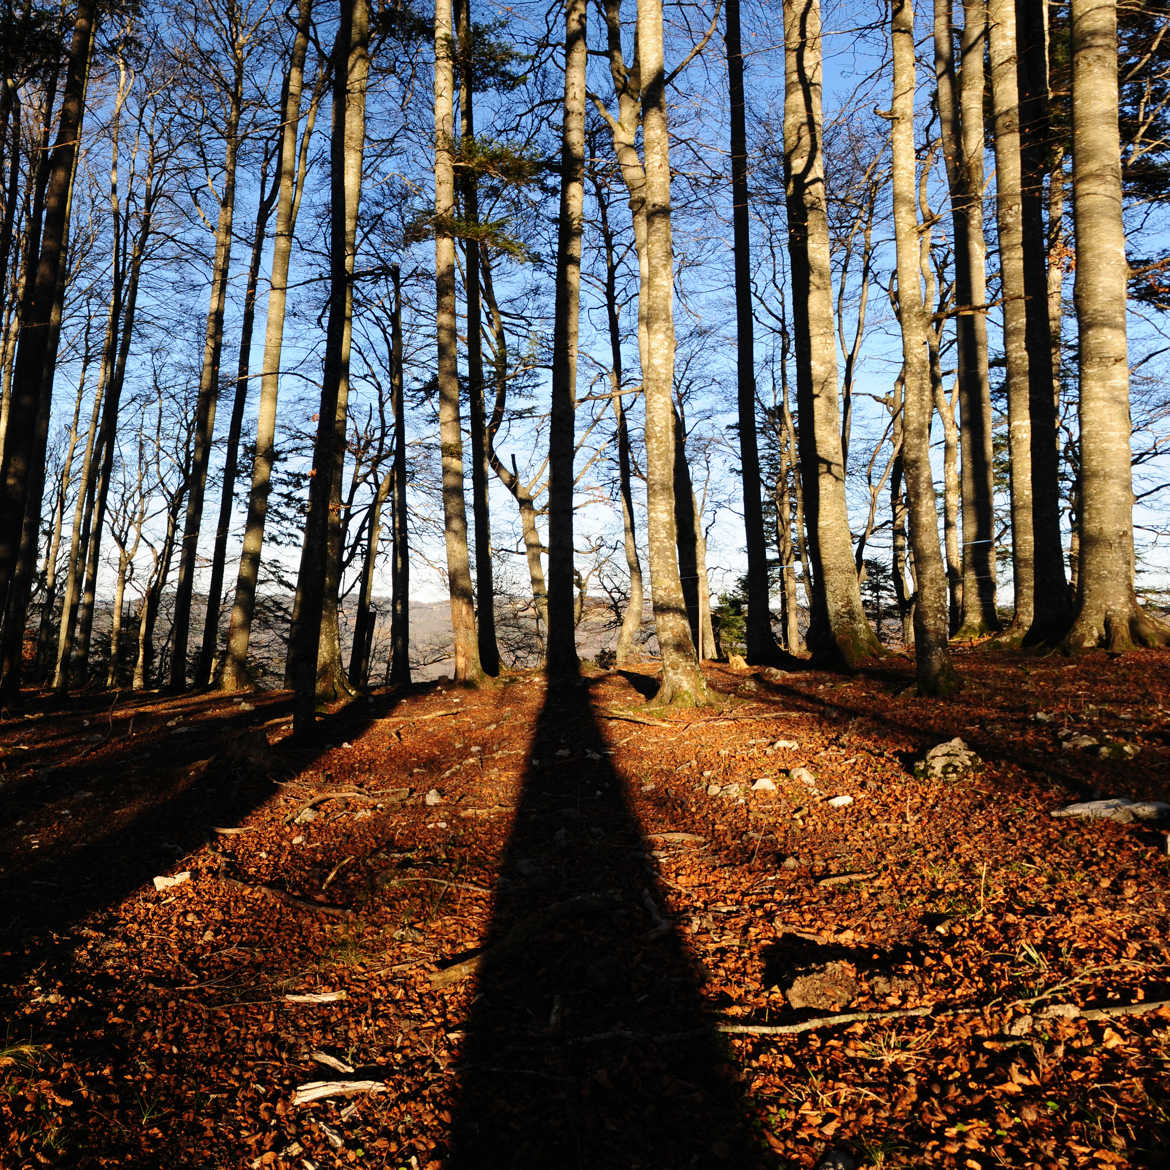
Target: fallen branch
[(831, 1022), (315, 997), (1111, 1012), (332, 1062), (402, 720), (1125, 1009), (635, 719), (324, 798), (843, 879), (677, 838), (318, 1090), (336, 870), (290, 899)]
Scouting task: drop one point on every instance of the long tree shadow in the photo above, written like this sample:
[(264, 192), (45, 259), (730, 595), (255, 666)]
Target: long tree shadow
[(588, 1043), (42, 898)]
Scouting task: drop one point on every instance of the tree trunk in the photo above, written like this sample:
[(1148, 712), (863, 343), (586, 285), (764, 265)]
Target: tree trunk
[(82, 510), (682, 681), (1108, 613), (467, 665), (962, 142), (562, 647), (1052, 605), (934, 671), (23, 460), (290, 179), (485, 592), (208, 381), (632, 619), (521, 492), (760, 644), (317, 580), (1009, 218), (686, 526), (838, 630), (364, 619), (207, 648), (399, 674), (631, 625)]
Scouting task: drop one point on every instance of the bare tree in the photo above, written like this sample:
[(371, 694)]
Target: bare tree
[(935, 674), (1108, 613)]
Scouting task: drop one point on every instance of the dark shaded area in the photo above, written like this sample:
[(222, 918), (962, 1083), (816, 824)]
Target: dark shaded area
[(190, 796), (588, 1043), (646, 685)]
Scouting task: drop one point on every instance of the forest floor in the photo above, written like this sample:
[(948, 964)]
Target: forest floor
[(512, 928)]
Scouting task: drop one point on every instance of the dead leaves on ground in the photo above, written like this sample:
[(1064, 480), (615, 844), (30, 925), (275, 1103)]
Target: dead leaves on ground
[(977, 950)]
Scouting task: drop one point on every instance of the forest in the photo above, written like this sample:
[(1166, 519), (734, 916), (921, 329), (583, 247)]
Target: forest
[(585, 583)]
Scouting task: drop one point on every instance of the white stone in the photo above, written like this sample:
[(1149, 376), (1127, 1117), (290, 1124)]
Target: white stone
[(433, 797), (763, 784), (167, 883), (842, 801)]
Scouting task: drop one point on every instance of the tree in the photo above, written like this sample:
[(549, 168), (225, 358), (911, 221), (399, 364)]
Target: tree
[(934, 671), (641, 93), (838, 630), (230, 24), (290, 184), (759, 642), (1052, 610), (320, 557), (961, 129), (562, 649), (1009, 219), (26, 432), (467, 185), (1107, 610), (468, 669)]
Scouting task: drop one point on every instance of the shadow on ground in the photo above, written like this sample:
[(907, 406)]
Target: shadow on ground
[(178, 788), (588, 1043)]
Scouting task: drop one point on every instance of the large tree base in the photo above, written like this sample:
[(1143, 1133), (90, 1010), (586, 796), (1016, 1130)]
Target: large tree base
[(847, 646), (1122, 627), (682, 687)]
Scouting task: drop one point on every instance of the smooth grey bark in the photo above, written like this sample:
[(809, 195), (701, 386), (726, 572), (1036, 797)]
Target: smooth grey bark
[(935, 674), (631, 625), (561, 650), (207, 649), (522, 491), (315, 650), (291, 176), (78, 537), (760, 643), (399, 666), (1010, 224), (208, 396), (1052, 607), (838, 628), (26, 432), (468, 189), (961, 129), (468, 669), (1108, 613), (687, 525), (364, 617), (682, 682)]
